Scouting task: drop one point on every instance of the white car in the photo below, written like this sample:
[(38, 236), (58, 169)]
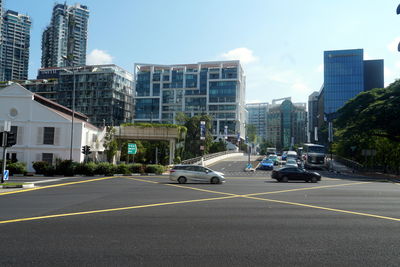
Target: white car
[(195, 173), (291, 162)]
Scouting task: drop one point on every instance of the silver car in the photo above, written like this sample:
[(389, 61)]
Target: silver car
[(185, 173)]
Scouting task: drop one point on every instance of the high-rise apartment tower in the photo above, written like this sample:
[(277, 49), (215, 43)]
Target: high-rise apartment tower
[(66, 36), (14, 45)]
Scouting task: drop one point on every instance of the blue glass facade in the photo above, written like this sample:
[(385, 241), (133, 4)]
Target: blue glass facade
[(214, 88), (343, 77)]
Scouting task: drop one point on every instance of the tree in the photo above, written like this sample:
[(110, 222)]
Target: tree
[(192, 141), (375, 112), (251, 132), (370, 122), (110, 144), (218, 146)]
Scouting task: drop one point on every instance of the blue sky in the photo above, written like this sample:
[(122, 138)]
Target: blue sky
[(280, 43)]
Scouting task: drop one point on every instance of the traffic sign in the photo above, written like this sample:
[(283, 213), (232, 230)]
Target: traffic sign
[(132, 149), (6, 175)]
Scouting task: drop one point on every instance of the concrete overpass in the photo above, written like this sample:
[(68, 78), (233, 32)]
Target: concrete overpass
[(158, 133)]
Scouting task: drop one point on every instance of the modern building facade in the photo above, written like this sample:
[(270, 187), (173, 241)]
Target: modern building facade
[(286, 124), (312, 121), (215, 88), (14, 45), (43, 129), (257, 114), (102, 92), (346, 74), (66, 36)]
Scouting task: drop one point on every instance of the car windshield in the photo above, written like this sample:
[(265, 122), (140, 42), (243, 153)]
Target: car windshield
[(272, 157), (291, 161), (267, 161)]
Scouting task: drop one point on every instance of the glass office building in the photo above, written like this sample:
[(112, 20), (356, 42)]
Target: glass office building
[(286, 124), (216, 88), (346, 74), (257, 116)]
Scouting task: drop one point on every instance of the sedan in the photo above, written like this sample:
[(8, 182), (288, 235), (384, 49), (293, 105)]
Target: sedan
[(292, 173), (266, 164), (291, 162)]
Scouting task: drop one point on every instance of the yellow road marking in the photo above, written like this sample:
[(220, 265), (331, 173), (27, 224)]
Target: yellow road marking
[(56, 185), (324, 208), (115, 209)]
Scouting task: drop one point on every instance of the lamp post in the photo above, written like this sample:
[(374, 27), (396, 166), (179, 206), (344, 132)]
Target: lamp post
[(71, 63)]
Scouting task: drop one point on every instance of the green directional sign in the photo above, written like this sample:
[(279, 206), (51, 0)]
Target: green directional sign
[(132, 149)]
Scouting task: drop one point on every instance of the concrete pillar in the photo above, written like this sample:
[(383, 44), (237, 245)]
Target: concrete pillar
[(171, 151)]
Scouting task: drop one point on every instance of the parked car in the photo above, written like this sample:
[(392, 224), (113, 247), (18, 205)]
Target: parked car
[(195, 173), (293, 173), (291, 162), (274, 158), (266, 164)]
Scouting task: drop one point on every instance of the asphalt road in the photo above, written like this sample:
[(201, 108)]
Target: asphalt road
[(247, 221)]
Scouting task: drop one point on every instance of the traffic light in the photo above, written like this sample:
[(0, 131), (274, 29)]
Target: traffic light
[(86, 150), (11, 139)]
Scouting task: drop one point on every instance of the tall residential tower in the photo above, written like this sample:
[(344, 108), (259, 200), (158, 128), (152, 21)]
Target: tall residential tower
[(66, 36), (14, 45)]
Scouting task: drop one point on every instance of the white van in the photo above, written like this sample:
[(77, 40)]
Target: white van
[(291, 155)]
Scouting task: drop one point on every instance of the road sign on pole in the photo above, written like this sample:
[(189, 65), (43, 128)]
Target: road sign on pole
[(6, 175), (132, 149)]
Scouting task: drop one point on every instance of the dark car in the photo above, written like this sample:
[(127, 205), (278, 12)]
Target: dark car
[(292, 173)]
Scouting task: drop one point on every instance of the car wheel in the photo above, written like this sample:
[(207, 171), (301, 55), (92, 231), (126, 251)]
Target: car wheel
[(182, 180), (314, 179), (214, 180), (284, 179)]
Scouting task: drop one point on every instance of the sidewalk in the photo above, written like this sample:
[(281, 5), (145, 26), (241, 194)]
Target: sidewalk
[(340, 168)]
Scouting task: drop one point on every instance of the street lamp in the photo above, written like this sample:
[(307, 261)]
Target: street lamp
[(71, 64)]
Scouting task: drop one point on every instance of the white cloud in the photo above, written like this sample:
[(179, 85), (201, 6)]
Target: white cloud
[(99, 57), (392, 46), (243, 54), (367, 56), (320, 68), (267, 82)]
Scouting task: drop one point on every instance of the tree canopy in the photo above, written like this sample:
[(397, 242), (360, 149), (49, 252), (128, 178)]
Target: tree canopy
[(375, 113)]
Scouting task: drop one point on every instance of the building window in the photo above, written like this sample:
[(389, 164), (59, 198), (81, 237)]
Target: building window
[(47, 157), (48, 136)]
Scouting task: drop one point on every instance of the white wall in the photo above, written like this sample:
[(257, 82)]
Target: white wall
[(31, 119)]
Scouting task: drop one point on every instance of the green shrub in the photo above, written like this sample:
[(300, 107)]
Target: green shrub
[(123, 169), (16, 168), (89, 168), (136, 168), (79, 168), (40, 166), (155, 168), (49, 170), (65, 167), (105, 168)]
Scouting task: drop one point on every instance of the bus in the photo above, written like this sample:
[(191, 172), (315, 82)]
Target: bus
[(314, 156)]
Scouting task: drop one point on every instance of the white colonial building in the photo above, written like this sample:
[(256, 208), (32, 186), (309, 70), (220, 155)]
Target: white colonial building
[(43, 128)]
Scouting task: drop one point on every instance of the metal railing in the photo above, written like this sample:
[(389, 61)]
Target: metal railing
[(197, 160), (349, 163)]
